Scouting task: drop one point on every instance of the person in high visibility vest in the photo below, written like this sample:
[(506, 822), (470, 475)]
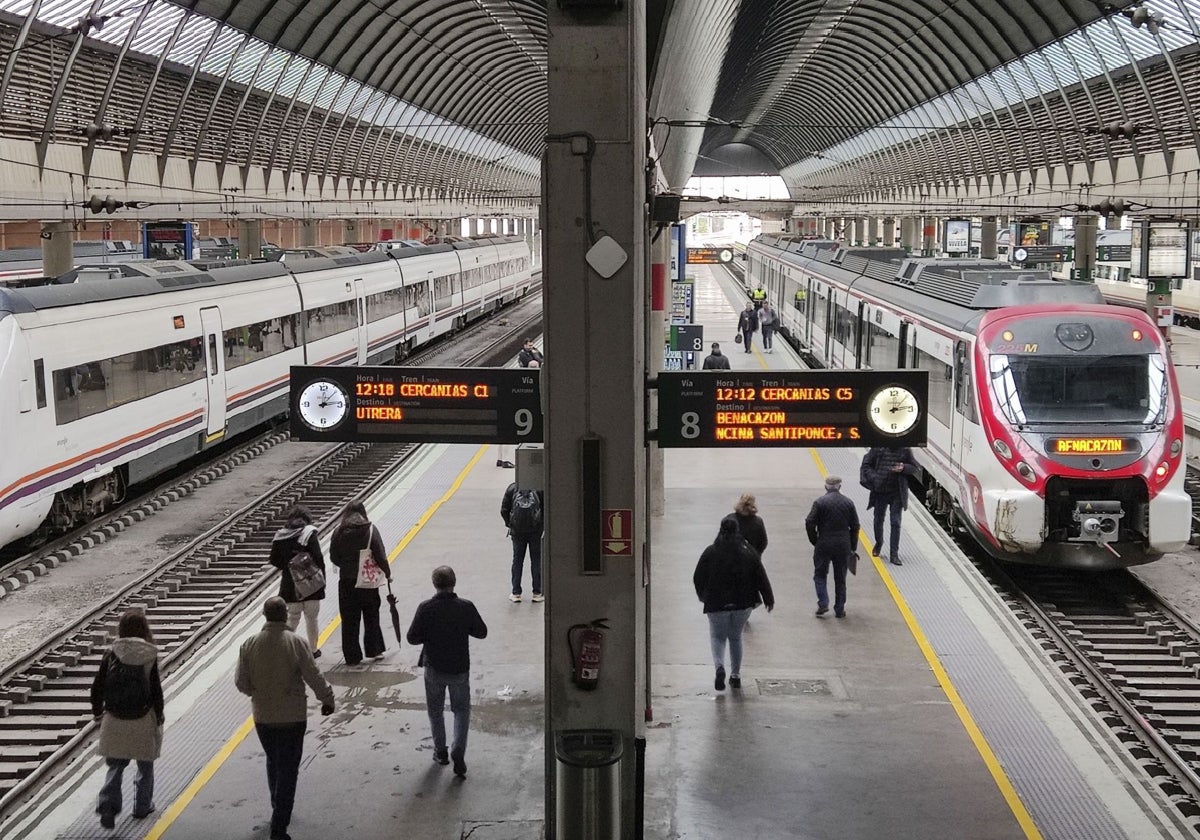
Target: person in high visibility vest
[(758, 296), (801, 296)]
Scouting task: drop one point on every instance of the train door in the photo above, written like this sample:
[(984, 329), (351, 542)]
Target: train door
[(361, 305), (210, 323), (964, 401), (860, 329), (830, 310), (907, 338)]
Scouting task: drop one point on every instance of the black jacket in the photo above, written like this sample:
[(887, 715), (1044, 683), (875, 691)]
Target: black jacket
[(443, 624), (832, 524), (752, 529), (284, 546), (527, 356), (351, 538), (730, 576), (716, 360), (748, 321), (885, 483)]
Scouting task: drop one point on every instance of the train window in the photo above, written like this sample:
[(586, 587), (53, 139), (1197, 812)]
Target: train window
[(884, 348), (1080, 390), (90, 388), (843, 326), (965, 403), (335, 318), (443, 290), (819, 310), (385, 304), (940, 390), (39, 381), (260, 340)]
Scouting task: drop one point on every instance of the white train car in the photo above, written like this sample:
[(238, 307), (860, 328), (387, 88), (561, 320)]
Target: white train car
[(1055, 426), (111, 382)]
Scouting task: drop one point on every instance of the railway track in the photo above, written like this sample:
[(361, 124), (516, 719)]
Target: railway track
[(1134, 658), (45, 709)]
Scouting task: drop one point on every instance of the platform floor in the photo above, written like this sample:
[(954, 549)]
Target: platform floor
[(923, 713)]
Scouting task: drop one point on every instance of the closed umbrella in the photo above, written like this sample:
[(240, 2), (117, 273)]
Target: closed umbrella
[(391, 599)]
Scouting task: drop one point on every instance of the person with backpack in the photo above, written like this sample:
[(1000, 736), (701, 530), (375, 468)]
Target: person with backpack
[(296, 552), (521, 511), (127, 699), (354, 542)]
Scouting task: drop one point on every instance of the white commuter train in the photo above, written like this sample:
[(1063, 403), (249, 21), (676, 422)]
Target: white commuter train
[(1055, 425), (109, 382)]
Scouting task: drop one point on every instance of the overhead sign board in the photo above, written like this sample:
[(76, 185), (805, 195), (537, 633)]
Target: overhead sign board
[(1160, 249), (1042, 254), (709, 256), (1113, 253), (416, 405), (793, 408), (687, 337)]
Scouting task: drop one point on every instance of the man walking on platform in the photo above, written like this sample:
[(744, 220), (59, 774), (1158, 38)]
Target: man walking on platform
[(716, 360), (522, 513), (747, 325), (885, 471), (444, 625), (273, 667), (832, 527)]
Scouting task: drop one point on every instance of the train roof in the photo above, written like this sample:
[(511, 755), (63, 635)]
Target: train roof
[(954, 292)]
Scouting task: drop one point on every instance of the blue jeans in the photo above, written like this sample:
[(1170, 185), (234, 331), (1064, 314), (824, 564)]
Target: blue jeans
[(821, 564), (143, 784), (459, 686), (534, 543), (284, 745), (768, 334), (723, 626), (894, 508)]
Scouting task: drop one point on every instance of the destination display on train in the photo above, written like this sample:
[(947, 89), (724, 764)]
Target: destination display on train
[(416, 405), (1092, 446), (792, 408)]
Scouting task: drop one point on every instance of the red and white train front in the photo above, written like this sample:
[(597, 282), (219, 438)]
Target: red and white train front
[(1083, 460)]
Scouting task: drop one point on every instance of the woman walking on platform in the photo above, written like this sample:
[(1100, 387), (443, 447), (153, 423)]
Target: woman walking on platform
[(730, 581), (127, 698), (355, 540), (750, 524), (298, 535)]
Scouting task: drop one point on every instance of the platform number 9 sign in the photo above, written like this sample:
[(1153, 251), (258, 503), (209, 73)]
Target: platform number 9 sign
[(524, 420)]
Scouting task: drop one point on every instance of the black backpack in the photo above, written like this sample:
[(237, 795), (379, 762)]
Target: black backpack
[(526, 514), (126, 690)]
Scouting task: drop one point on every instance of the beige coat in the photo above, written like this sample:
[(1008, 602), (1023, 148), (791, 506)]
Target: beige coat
[(273, 667), (141, 739)]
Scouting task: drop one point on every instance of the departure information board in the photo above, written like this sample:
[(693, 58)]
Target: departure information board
[(416, 405), (793, 408)]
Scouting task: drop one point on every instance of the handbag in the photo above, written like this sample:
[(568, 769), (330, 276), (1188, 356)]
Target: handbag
[(307, 575), (370, 576), (852, 563), (737, 339)]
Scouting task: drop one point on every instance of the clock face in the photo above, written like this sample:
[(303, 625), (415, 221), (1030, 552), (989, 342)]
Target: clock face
[(893, 410), (323, 404)]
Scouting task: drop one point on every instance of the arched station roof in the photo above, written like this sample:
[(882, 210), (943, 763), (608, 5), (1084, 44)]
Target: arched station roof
[(417, 99)]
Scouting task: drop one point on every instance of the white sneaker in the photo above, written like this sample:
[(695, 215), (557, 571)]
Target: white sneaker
[(538, 597), (516, 599)]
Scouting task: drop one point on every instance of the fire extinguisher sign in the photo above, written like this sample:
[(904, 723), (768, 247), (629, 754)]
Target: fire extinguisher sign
[(616, 537)]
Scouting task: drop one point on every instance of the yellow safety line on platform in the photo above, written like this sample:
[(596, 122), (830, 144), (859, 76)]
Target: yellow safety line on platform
[(964, 715), (205, 776)]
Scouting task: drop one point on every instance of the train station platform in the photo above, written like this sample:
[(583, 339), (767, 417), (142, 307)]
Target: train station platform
[(925, 712)]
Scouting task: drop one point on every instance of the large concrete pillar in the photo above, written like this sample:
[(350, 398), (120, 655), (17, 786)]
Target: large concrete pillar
[(351, 231), (907, 223), (596, 345), (308, 232), (660, 308), (860, 231), (987, 238), (873, 230), (929, 236), (58, 248), (828, 225), (889, 232), (250, 239)]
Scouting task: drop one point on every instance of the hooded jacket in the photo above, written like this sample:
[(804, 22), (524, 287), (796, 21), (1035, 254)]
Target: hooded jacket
[(730, 574), (354, 534), (716, 360), (284, 546), (137, 740)]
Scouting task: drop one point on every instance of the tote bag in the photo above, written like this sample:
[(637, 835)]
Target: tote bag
[(370, 576)]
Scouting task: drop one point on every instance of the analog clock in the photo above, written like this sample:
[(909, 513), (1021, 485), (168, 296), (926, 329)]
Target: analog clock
[(893, 409), (323, 404)]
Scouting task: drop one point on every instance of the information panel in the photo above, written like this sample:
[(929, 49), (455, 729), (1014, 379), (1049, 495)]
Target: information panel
[(793, 408), (416, 405), (709, 256)]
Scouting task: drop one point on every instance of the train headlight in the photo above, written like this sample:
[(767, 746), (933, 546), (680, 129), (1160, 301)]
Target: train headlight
[(1160, 472), (1026, 472), (1002, 449), (1176, 447), (1137, 335)]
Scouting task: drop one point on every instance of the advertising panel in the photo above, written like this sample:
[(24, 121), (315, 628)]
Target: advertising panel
[(957, 236)]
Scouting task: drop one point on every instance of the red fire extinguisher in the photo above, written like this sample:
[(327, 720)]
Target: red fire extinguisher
[(585, 664)]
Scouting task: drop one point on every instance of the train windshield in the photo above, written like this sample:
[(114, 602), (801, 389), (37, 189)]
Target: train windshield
[(1051, 390)]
